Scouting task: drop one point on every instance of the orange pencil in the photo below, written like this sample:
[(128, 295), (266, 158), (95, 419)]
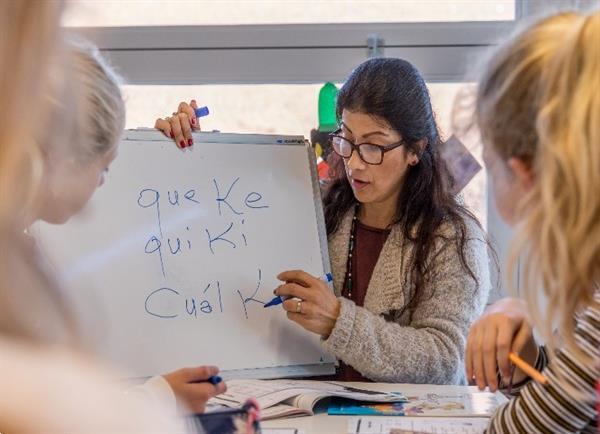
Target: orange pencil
[(528, 369)]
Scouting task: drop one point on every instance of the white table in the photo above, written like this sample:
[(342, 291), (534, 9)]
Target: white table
[(324, 424)]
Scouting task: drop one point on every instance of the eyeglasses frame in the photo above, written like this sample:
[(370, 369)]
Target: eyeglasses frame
[(354, 146)]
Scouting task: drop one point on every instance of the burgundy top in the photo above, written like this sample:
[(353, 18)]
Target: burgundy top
[(368, 244)]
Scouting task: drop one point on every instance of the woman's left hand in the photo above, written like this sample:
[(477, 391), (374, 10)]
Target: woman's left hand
[(317, 309)]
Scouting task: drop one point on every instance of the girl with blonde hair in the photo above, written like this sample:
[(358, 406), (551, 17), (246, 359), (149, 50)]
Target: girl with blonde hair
[(45, 388), (74, 168), (46, 172), (538, 109)]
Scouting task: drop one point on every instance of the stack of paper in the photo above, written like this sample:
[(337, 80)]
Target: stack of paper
[(414, 425)]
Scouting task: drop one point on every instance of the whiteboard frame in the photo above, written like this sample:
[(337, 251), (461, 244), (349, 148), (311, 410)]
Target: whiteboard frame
[(151, 135)]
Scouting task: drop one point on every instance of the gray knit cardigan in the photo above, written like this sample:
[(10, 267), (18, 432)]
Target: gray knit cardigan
[(428, 346)]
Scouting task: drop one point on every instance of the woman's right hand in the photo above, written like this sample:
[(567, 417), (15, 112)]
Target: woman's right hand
[(180, 125), (505, 327)]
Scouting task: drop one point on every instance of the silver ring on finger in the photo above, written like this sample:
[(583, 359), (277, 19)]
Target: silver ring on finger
[(299, 306)]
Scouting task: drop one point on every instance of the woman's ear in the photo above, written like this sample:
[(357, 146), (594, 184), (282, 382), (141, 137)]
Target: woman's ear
[(523, 174), (414, 157)]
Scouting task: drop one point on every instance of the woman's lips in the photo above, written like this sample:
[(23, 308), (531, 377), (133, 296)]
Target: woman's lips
[(357, 184)]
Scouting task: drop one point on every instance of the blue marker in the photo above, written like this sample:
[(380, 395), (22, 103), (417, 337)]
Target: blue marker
[(214, 380), (201, 112), (281, 298)]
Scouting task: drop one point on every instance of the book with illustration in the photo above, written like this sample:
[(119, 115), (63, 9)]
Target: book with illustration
[(470, 404), (290, 398)]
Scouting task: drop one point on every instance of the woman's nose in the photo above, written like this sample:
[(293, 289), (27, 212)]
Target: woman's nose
[(355, 162)]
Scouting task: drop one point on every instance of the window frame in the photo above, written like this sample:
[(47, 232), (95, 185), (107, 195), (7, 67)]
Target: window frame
[(289, 53)]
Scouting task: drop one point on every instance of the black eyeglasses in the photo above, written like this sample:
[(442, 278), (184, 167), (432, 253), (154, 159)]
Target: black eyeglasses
[(368, 152)]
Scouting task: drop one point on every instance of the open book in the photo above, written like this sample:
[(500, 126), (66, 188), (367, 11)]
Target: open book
[(288, 398)]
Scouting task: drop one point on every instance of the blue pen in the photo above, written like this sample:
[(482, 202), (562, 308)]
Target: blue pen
[(201, 112), (281, 298)]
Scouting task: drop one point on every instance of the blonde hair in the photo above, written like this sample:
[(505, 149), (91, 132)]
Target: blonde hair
[(83, 124), (101, 118), (539, 101), (81, 107), (29, 44), (31, 52)]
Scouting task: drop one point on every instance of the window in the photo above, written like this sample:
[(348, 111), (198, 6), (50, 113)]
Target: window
[(238, 12)]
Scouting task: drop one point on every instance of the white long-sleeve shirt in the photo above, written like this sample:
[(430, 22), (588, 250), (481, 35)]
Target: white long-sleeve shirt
[(55, 391)]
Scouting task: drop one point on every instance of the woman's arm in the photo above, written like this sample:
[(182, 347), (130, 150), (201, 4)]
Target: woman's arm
[(431, 348)]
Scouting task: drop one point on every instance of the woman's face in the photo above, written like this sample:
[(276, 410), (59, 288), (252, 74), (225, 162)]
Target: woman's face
[(374, 183), (69, 185)]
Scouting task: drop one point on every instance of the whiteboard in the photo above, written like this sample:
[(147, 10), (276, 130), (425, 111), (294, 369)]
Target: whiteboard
[(172, 260)]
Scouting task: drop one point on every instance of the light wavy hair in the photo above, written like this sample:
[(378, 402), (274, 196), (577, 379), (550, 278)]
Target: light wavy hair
[(83, 117), (28, 47), (31, 67), (100, 119), (539, 101)]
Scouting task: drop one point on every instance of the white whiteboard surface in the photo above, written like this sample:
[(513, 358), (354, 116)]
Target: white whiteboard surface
[(172, 260)]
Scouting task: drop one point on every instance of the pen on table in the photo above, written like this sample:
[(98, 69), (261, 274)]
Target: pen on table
[(526, 368), (214, 380), (281, 298)]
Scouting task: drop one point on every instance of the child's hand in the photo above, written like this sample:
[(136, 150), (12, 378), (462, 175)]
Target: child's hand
[(503, 328), (179, 127), (191, 389)]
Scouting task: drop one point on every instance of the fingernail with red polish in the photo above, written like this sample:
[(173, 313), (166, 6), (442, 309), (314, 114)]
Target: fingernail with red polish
[(182, 144), (193, 121), (190, 142)]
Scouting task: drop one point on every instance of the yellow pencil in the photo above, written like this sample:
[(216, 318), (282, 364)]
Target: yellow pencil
[(528, 369)]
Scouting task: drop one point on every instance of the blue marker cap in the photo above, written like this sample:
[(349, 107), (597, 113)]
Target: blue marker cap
[(327, 277), (214, 380), (201, 111)]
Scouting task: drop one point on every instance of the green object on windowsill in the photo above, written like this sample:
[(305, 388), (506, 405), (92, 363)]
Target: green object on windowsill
[(327, 99)]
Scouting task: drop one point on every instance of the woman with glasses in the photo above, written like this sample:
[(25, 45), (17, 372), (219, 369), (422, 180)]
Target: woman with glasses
[(409, 262)]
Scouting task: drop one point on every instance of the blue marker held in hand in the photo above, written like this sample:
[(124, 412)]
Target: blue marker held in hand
[(214, 380), (201, 112), (281, 298)]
